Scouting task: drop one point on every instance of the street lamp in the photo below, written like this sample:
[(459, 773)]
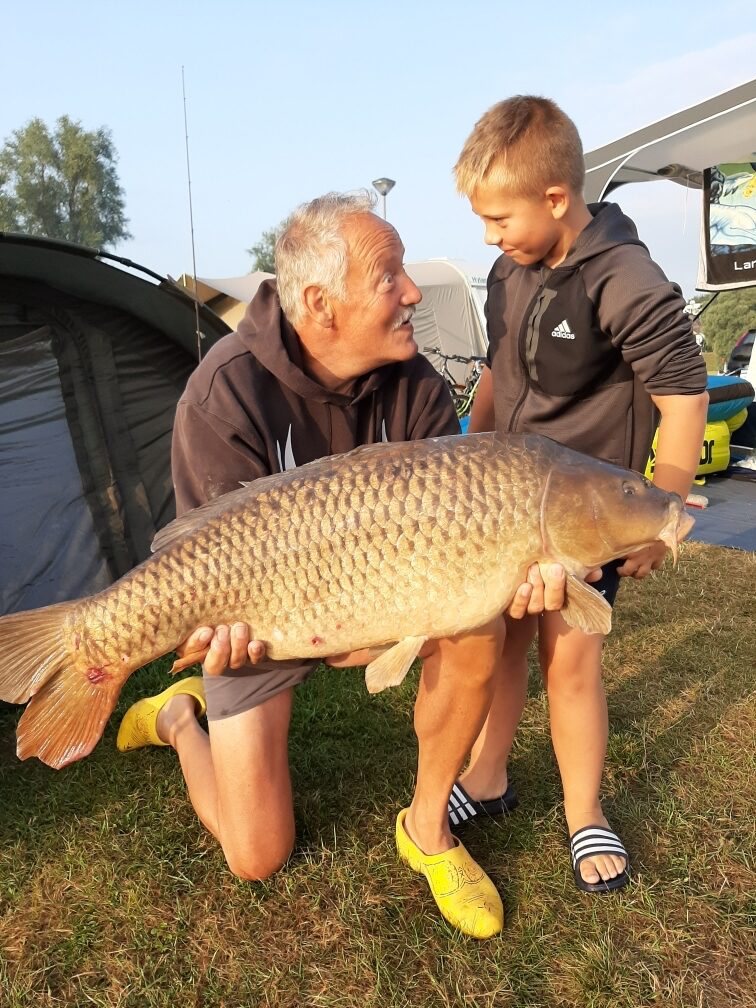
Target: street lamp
[(384, 187)]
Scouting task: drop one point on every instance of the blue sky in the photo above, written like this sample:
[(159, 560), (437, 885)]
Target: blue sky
[(288, 100)]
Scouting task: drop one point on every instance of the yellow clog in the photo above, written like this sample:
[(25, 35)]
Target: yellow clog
[(464, 894), (138, 727)]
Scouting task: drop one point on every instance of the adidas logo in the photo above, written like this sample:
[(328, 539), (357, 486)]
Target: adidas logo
[(563, 331)]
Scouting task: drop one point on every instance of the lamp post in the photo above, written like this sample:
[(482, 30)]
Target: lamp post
[(384, 187)]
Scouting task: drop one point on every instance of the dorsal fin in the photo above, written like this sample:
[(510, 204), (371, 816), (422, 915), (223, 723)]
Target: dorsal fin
[(310, 471)]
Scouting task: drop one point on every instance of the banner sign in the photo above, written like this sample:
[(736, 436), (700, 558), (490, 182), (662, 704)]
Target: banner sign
[(728, 233)]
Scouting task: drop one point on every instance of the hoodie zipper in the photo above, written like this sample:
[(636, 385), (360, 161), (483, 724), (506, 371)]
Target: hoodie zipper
[(533, 309)]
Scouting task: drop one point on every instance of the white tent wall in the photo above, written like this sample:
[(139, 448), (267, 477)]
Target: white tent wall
[(450, 315)]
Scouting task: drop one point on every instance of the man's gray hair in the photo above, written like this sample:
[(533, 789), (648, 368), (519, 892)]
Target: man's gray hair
[(313, 249)]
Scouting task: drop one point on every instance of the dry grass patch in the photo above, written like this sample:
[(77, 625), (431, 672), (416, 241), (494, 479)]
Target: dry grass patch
[(111, 894)]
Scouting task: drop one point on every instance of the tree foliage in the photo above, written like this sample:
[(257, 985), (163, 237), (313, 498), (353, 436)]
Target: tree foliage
[(62, 184), (727, 318), (263, 253)]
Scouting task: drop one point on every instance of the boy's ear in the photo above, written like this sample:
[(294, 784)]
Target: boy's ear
[(318, 306), (558, 198)]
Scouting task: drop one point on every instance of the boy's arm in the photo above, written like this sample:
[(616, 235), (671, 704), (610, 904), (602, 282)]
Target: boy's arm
[(678, 450), (482, 412)]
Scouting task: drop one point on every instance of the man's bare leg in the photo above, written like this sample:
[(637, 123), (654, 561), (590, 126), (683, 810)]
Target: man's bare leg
[(455, 693), (486, 775), (238, 779)]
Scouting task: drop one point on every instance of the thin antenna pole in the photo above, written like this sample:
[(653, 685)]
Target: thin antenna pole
[(191, 224)]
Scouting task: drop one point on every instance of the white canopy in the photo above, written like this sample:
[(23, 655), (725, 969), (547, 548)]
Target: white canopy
[(719, 130), (451, 315)]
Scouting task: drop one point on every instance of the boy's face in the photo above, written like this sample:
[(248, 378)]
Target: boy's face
[(528, 229)]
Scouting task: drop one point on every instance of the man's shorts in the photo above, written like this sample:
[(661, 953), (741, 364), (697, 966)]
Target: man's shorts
[(609, 584), (239, 690)]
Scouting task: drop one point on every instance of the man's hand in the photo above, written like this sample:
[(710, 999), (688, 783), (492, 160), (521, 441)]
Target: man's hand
[(220, 648), (640, 564)]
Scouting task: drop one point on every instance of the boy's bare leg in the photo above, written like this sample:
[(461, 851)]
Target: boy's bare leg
[(238, 779), (453, 699), (571, 661)]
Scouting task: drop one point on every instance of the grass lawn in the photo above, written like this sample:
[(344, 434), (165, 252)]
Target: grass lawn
[(112, 894)]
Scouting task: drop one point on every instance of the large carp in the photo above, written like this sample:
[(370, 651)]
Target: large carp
[(392, 543)]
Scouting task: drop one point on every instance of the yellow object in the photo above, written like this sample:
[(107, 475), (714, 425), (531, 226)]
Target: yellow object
[(138, 727), (464, 894), (736, 420), (715, 450)]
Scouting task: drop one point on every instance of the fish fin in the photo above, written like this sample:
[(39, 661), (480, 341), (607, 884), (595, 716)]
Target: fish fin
[(195, 658), (64, 721), (199, 516), (66, 714), (32, 649), (390, 668), (586, 609)]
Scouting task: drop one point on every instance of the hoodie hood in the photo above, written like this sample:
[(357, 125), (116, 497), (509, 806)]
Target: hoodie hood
[(608, 228), (284, 358)]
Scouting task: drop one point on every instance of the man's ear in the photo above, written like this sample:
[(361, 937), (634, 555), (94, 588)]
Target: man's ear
[(558, 198), (318, 306)]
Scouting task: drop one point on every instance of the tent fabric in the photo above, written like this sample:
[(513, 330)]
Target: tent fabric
[(680, 147), (450, 316), (451, 313), (92, 363)]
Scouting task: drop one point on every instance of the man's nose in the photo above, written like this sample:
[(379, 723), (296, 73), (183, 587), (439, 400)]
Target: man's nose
[(412, 293)]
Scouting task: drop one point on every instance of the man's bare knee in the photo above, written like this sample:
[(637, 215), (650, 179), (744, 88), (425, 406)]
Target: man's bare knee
[(253, 866)]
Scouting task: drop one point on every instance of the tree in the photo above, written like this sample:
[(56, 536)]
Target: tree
[(62, 184), (263, 253), (727, 317)]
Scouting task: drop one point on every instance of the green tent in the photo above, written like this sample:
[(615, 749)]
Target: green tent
[(94, 355)]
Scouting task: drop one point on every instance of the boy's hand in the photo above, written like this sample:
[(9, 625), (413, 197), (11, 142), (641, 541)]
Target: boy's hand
[(640, 564), (543, 591)]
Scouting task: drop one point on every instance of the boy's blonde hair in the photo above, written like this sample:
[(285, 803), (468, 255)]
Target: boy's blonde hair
[(523, 144)]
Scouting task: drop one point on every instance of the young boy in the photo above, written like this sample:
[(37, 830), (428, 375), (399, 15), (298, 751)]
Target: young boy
[(588, 342)]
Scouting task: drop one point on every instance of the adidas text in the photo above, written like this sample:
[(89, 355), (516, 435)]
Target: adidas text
[(563, 331)]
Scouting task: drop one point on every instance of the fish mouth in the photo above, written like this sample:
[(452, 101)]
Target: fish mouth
[(677, 528)]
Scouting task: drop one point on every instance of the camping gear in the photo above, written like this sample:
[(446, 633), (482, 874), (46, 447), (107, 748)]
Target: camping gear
[(729, 399), (93, 359)]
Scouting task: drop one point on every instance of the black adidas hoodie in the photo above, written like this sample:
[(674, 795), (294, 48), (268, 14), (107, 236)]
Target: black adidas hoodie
[(577, 350), (249, 409)]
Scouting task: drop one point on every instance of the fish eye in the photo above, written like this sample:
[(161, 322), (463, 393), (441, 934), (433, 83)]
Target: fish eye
[(628, 489)]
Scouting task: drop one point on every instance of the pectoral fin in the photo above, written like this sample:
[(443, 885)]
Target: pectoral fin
[(585, 608), (193, 658), (390, 668)]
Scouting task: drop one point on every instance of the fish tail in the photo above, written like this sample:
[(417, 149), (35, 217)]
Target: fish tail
[(32, 649), (65, 720), (67, 712)]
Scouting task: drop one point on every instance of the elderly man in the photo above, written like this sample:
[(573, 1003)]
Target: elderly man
[(323, 361)]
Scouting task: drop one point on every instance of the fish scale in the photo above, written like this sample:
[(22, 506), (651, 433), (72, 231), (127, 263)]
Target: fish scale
[(389, 543)]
